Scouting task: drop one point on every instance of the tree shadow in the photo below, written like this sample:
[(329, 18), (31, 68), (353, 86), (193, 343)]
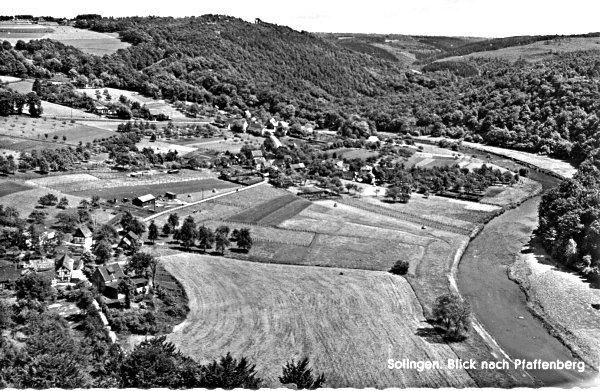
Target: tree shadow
[(431, 335), (238, 251)]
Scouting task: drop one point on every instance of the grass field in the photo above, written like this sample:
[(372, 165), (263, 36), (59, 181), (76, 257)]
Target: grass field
[(158, 104), (536, 51), (87, 41), (158, 189), (35, 129), (272, 212), (350, 324), (7, 187)]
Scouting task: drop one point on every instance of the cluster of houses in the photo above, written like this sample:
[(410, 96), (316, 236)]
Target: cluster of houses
[(67, 269)]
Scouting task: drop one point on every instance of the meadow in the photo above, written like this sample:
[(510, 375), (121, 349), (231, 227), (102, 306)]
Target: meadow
[(349, 322), (87, 41)]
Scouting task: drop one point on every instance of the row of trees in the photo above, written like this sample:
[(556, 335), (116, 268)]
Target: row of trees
[(189, 235)]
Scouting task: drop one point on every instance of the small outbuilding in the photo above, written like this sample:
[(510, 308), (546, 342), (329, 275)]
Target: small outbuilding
[(145, 201), (170, 195)]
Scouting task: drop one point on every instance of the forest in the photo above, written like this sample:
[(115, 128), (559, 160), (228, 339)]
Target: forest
[(570, 219), (548, 106)]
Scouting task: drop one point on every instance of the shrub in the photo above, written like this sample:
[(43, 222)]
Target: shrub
[(400, 268)]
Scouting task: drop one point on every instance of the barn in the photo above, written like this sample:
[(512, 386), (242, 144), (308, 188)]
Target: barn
[(145, 201)]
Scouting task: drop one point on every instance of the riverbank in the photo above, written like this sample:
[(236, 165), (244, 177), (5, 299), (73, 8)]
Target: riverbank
[(561, 299)]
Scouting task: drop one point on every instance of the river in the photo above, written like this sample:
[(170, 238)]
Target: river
[(499, 304)]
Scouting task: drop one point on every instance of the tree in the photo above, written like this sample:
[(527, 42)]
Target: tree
[(34, 286), (187, 234), (300, 374), (206, 238), (63, 203), (400, 268), (37, 216), (68, 220), (222, 240), (157, 363), (48, 200), (137, 226), (173, 220), (153, 232), (95, 201), (243, 238), (166, 229), (140, 263), (106, 232), (102, 250), (393, 193), (84, 204), (229, 373), (453, 315)]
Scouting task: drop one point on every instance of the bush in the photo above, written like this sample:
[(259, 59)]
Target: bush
[(400, 268)]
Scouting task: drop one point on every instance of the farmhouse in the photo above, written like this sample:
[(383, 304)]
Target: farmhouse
[(297, 166), (8, 276), (145, 201), (130, 240), (276, 143), (83, 237), (100, 109), (107, 274), (68, 269)]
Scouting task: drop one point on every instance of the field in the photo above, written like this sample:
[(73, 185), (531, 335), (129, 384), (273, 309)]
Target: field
[(7, 188), (352, 153), (272, 212), (164, 147), (158, 189), (349, 322), (22, 132), (158, 104), (26, 200), (87, 41), (560, 167), (536, 51)]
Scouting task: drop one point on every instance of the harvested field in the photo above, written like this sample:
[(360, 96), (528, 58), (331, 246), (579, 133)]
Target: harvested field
[(272, 212), (462, 214), (180, 188), (349, 324), (59, 180), (352, 153), (7, 187)]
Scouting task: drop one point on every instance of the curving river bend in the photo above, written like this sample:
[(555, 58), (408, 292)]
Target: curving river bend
[(499, 304)]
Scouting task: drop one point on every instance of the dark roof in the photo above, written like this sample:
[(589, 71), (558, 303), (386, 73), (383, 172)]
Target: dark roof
[(83, 231), (65, 261), (9, 273), (111, 271), (139, 281)]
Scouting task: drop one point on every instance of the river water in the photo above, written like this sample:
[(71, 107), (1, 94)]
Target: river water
[(499, 304)]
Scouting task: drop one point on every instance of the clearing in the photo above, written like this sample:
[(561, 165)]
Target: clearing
[(87, 41), (349, 322)]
